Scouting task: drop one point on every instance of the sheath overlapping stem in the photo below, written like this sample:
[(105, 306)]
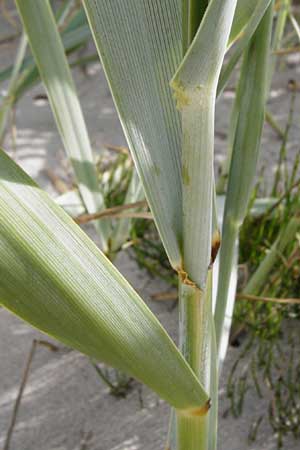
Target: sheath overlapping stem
[(195, 85), (196, 334)]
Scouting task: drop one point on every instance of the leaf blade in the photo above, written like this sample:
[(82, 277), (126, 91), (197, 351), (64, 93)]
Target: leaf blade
[(53, 276), (139, 44)]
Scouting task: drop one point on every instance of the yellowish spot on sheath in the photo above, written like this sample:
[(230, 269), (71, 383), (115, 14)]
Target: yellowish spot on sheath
[(156, 169), (203, 410), (180, 95), (185, 176)]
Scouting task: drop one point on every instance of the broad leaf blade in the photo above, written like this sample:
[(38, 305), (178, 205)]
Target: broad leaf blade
[(139, 43), (53, 276), (48, 51)]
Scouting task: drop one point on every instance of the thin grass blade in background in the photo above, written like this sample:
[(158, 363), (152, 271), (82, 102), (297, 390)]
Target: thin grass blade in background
[(54, 277), (282, 16), (42, 33), (242, 43), (8, 99), (244, 10), (295, 25), (134, 194), (29, 74), (71, 202), (64, 11), (259, 277), (75, 33), (140, 46)]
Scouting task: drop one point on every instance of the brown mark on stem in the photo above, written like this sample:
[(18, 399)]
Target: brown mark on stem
[(215, 245), (183, 276), (198, 412), (203, 410)]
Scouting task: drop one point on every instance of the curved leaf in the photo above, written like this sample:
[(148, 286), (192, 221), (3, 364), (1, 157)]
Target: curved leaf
[(54, 277)]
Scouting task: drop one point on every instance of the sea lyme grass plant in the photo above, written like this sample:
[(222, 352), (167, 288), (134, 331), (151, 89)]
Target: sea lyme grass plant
[(163, 61)]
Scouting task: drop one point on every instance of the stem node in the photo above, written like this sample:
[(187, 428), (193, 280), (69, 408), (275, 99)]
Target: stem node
[(184, 278)]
